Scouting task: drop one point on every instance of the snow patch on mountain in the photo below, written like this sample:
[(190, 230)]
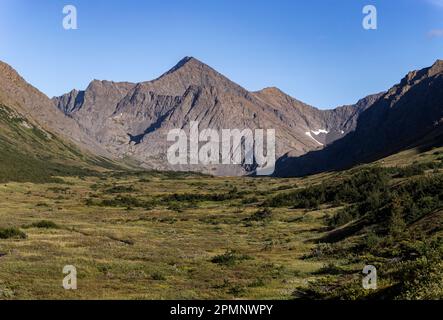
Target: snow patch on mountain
[(310, 135), (317, 132)]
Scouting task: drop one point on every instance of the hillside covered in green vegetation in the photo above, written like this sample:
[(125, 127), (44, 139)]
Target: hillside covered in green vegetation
[(29, 153)]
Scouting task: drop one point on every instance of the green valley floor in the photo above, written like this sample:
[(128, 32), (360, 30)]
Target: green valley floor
[(152, 235)]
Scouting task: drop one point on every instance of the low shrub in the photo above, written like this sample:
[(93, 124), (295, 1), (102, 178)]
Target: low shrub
[(44, 224), (12, 233), (158, 277), (229, 258), (261, 215)]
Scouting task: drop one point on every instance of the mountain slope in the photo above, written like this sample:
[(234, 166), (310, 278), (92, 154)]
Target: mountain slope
[(17, 94), (34, 144), (409, 115)]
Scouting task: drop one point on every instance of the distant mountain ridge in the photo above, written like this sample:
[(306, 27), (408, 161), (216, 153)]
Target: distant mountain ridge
[(132, 120)]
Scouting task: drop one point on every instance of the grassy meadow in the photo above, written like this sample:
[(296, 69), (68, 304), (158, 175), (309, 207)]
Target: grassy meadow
[(151, 235)]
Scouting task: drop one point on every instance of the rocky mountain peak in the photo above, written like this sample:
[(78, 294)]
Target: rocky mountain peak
[(189, 65), (97, 85), (9, 73), (6, 69), (182, 63), (414, 78), (271, 91), (436, 68), (188, 72), (418, 75)]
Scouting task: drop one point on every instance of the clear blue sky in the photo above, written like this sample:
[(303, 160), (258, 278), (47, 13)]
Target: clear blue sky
[(316, 50)]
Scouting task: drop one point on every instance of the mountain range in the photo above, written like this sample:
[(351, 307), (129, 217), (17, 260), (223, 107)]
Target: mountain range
[(128, 122), (409, 115)]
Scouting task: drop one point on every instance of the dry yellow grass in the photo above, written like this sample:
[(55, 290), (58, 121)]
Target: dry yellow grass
[(157, 253)]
